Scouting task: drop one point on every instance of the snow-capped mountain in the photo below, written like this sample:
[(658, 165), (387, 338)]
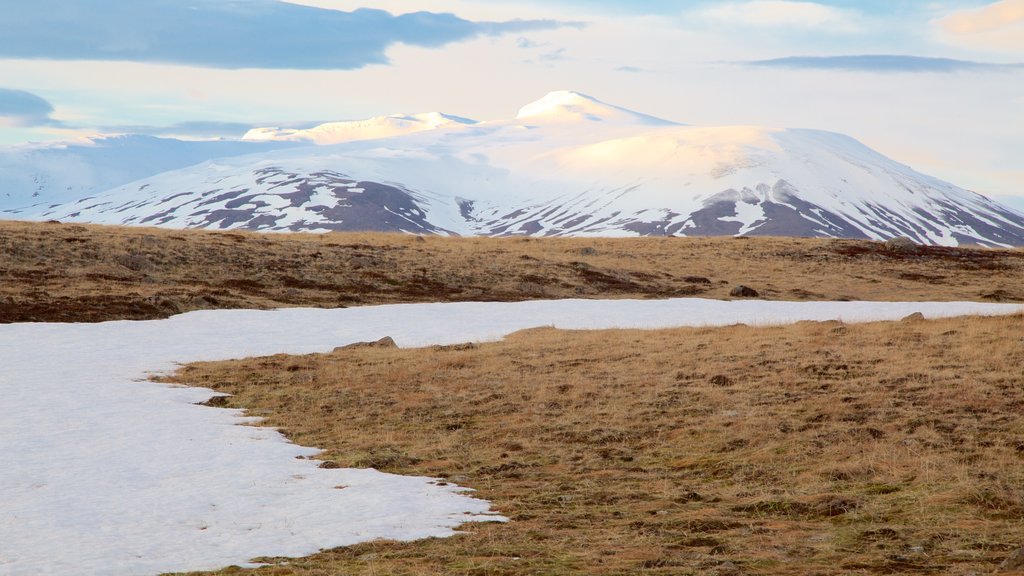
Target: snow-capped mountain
[(567, 164), (53, 173)]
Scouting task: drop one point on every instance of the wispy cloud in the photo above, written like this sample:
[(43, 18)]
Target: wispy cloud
[(527, 44), (782, 14), (239, 34), (554, 55), (997, 26), (883, 63), (196, 129), (985, 19), (21, 109)]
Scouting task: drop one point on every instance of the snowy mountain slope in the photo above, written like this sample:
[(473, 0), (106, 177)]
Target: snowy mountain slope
[(262, 197), (568, 164), (54, 173), (352, 131)]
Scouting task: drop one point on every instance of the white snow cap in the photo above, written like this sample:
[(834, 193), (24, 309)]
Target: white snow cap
[(569, 106)]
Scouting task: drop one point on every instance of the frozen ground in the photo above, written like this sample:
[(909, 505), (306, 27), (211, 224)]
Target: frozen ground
[(105, 473)]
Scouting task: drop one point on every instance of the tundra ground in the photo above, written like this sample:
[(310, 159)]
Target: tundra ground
[(79, 273), (815, 448)]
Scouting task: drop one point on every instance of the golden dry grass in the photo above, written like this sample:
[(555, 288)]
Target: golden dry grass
[(816, 448), (64, 272)]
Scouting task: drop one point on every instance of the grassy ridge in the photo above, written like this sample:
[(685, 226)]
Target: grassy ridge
[(816, 448), (63, 272)]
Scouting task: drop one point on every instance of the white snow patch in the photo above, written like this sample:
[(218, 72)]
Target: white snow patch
[(106, 473), (747, 214)]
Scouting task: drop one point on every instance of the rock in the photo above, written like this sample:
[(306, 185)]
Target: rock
[(727, 568), (454, 347), (385, 342), (721, 380), (901, 244), (216, 402), (588, 251), (696, 280), (742, 291), (997, 296), (689, 497), (915, 317), (1014, 563)]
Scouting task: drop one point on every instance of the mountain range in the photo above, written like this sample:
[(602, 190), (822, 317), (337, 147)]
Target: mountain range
[(567, 164)]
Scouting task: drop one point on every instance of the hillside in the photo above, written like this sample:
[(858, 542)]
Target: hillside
[(62, 272)]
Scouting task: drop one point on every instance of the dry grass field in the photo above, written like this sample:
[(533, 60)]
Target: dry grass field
[(70, 272), (811, 449)]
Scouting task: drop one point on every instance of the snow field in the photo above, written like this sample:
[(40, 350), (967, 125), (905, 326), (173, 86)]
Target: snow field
[(105, 472)]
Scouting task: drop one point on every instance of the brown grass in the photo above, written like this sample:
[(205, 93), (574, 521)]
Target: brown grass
[(62, 272), (817, 448)]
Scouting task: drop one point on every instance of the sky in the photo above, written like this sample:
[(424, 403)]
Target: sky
[(936, 84)]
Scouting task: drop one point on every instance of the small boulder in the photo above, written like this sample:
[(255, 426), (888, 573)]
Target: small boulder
[(721, 380), (901, 244), (1014, 563), (385, 342), (727, 568), (742, 291), (915, 317)]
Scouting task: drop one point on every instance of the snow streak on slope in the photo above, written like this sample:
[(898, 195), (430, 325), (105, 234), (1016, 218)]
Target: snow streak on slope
[(569, 164), (105, 473)]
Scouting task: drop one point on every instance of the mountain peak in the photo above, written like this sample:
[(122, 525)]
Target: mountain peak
[(564, 106)]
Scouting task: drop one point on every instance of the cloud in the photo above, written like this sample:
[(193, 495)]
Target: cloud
[(554, 55), (674, 7), (631, 69), (236, 34), (783, 14), (195, 129), (526, 44), (1015, 202), (985, 19), (20, 109), (883, 63), (998, 26)]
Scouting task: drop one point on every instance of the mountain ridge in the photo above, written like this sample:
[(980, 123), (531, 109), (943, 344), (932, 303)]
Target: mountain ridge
[(567, 164)]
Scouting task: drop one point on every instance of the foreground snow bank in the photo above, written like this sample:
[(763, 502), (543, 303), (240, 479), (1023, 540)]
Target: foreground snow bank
[(105, 473)]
